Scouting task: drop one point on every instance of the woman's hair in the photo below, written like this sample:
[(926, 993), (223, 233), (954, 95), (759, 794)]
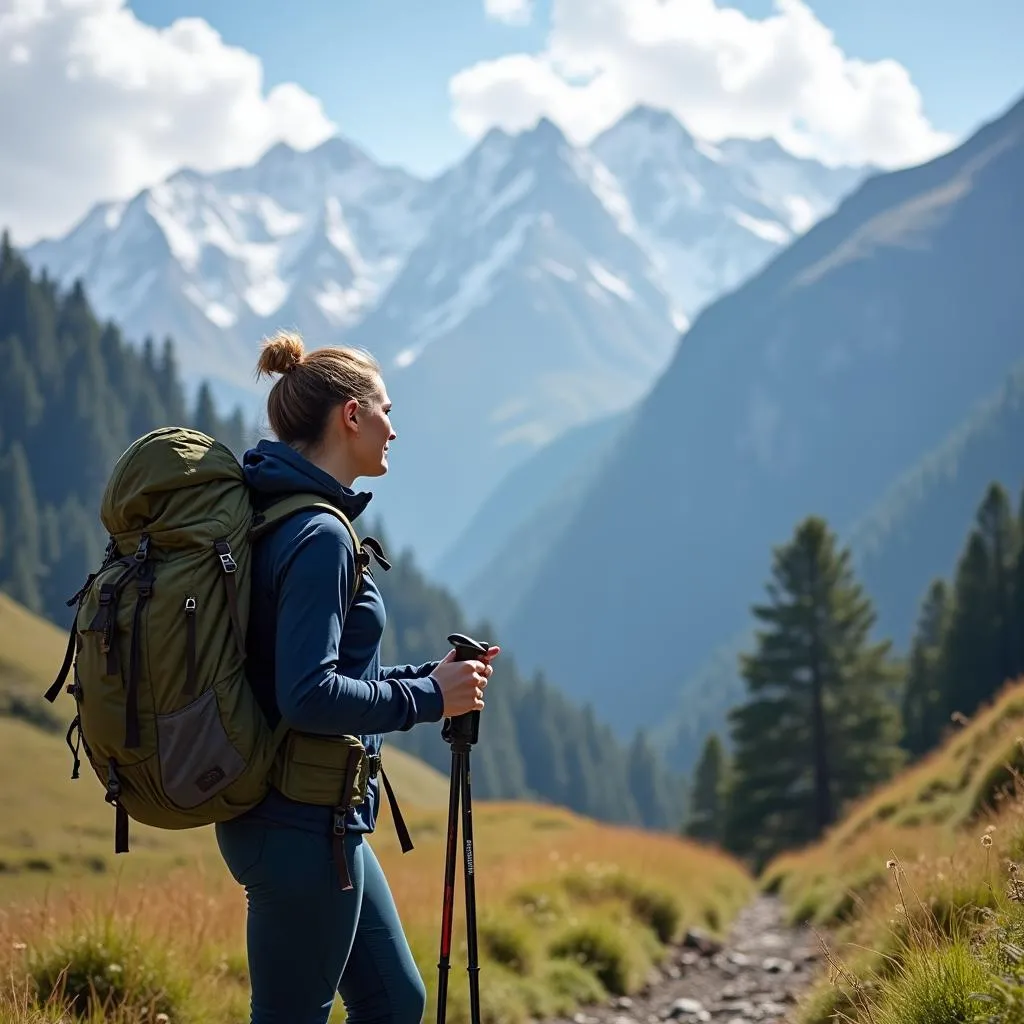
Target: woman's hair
[(312, 384)]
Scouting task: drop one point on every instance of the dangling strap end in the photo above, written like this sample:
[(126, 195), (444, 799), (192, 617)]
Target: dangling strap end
[(69, 656), (338, 844), (120, 829), (404, 838)]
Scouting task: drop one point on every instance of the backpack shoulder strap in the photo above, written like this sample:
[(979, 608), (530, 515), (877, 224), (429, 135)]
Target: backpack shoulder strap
[(281, 510), (273, 515)]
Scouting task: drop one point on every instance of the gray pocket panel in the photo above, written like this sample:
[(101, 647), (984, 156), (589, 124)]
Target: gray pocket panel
[(197, 760)]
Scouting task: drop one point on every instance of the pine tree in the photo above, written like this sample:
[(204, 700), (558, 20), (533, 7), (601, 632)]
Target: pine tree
[(24, 563), (819, 728), (169, 381), (922, 708), (999, 530), (706, 820), (1018, 588), (205, 415), (657, 799), (974, 654)]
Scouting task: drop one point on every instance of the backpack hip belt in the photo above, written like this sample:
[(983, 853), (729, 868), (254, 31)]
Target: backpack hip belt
[(333, 771)]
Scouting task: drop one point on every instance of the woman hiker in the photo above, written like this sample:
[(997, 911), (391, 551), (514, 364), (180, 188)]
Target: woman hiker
[(317, 666)]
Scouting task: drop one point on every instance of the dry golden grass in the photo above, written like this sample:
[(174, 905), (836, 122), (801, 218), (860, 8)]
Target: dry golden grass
[(162, 928), (541, 872), (31, 648), (52, 826)]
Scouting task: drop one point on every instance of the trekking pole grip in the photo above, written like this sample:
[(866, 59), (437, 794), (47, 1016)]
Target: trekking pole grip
[(464, 730)]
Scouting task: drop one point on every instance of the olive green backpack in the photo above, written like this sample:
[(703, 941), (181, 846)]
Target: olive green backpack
[(165, 714)]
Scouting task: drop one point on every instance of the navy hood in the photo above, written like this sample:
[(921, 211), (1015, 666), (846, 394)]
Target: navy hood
[(273, 469)]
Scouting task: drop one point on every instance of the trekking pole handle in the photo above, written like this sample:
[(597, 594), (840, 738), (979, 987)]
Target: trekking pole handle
[(464, 729)]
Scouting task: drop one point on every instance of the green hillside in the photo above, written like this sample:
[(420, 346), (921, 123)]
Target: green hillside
[(913, 533)]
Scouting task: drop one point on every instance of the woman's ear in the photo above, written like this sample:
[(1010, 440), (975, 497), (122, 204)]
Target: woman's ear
[(349, 413)]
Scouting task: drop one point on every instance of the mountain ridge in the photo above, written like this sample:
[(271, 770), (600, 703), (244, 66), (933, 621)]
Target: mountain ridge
[(528, 240), (766, 399)]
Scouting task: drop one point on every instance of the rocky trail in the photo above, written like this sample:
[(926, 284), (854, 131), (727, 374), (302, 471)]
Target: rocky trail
[(754, 977)]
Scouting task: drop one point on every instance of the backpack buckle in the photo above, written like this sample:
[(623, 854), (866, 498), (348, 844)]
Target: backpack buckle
[(142, 551), (227, 562)]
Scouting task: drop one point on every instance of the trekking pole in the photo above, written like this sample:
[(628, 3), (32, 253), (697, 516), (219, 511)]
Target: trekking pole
[(460, 733)]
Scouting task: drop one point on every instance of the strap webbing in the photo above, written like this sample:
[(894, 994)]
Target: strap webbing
[(65, 668), (400, 827), (132, 732), (340, 820), (229, 568), (120, 829)]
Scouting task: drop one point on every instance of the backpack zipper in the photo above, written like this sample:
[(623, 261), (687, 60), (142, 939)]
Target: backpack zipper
[(190, 646)]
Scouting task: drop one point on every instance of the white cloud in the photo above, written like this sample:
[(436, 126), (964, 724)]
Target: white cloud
[(512, 12), (719, 71), (95, 104)]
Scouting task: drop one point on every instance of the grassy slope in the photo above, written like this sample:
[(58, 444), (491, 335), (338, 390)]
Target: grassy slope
[(918, 884), (56, 825), (552, 886)]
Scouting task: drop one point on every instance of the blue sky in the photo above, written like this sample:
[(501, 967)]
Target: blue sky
[(382, 67), (140, 91)]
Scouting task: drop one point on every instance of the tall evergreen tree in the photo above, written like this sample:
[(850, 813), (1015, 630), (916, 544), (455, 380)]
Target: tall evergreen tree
[(972, 661), (1018, 587), (24, 562), (205, 415), (169, 382), (819, 728), (923, 712), (657, 799), (706, 818), (73, 396), (1000, 532)]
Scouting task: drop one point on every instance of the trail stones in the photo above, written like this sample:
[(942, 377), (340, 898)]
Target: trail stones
[(754, 977), (701, 941), (688, 1010)]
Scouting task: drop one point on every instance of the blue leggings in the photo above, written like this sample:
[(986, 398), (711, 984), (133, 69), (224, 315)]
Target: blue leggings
[(307, 938)]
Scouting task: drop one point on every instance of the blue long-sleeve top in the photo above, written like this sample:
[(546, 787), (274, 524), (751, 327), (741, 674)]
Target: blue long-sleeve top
[(313, 661)]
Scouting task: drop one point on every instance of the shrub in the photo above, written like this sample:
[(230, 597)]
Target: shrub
[(608, 950), (107, 972), (508, 942)]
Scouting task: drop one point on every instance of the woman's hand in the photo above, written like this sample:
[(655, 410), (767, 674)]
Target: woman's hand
[(462, 683)]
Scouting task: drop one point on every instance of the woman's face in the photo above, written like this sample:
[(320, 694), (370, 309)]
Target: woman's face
[(373, 435)]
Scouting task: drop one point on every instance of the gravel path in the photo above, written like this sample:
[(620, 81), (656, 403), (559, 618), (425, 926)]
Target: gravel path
[(753, 978)]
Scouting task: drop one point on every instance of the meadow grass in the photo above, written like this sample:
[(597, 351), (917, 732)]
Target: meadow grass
[(919, 890), (570, 912), (923, 810)]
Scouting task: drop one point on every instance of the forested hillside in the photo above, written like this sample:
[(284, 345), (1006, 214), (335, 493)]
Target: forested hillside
[(73, 395), (534, 741), (830, 711), (914, 532)]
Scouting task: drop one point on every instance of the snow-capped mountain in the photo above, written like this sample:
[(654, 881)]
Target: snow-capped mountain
[(307, 239), (528, 308), (534, 286), (712, 215)]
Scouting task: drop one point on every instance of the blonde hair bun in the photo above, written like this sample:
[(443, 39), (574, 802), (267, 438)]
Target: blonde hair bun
[(280, 354)]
